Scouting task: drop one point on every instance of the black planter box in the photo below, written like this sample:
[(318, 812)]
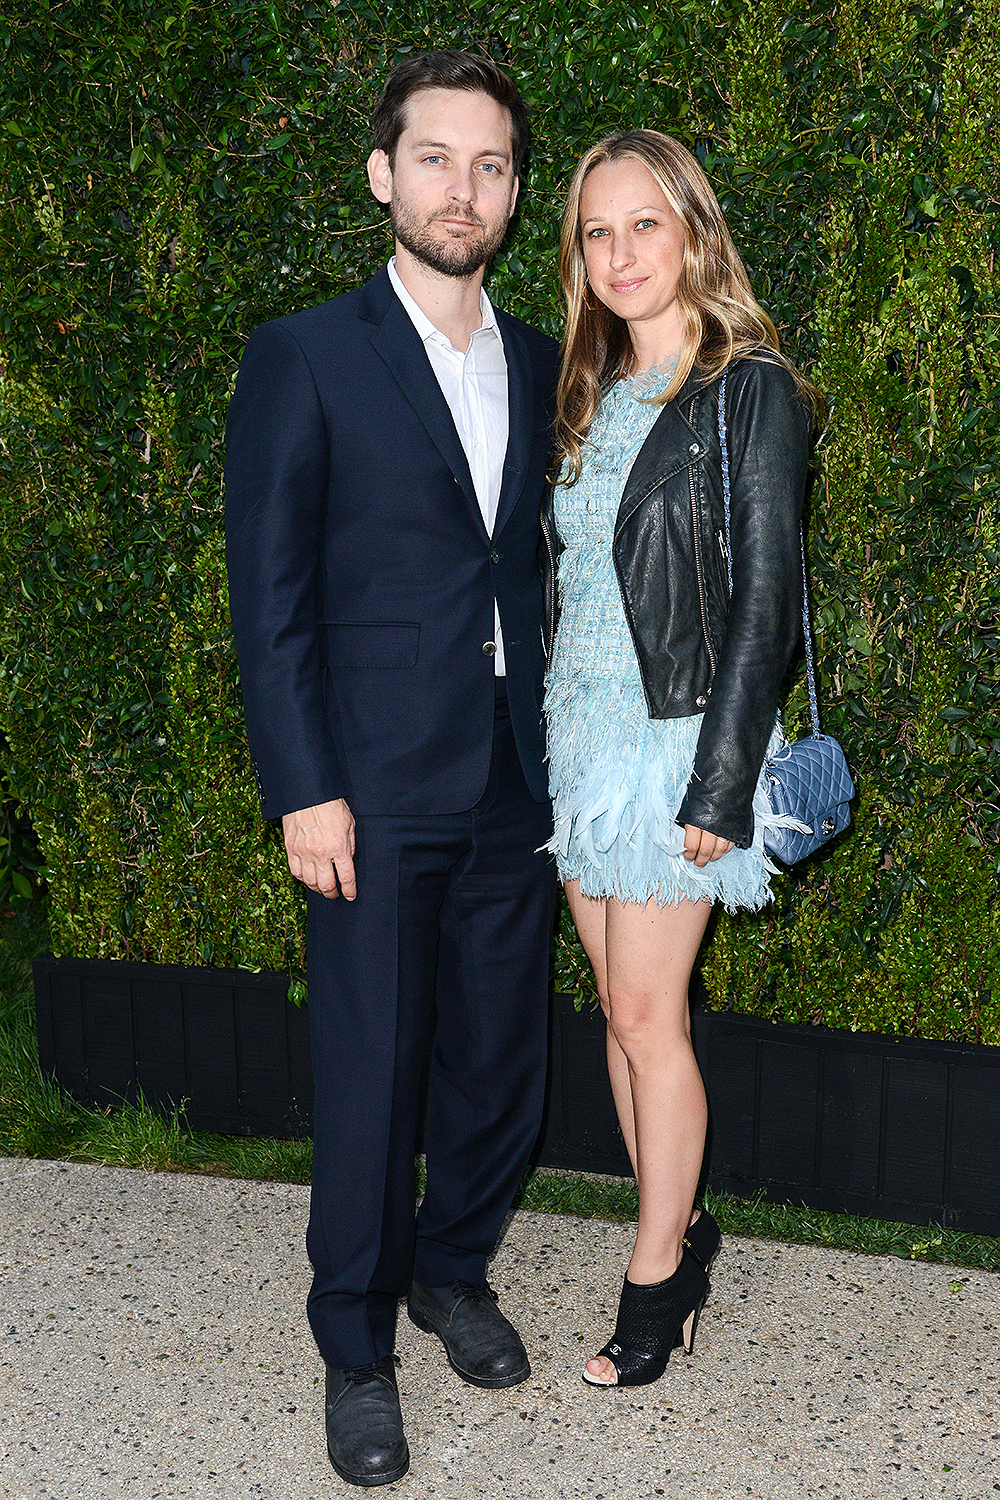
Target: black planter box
[(226, 1043), (888, 1127), (846, 1121), (885, 1127)]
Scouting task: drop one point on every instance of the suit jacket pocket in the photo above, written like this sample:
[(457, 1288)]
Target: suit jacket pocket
[(383, 645)]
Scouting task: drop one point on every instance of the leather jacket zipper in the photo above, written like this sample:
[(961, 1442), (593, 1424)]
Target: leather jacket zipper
[(629, 621), (698, 569)]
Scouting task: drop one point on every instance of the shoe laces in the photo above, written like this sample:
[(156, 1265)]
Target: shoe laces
[(465, 1289), (362, 1373)]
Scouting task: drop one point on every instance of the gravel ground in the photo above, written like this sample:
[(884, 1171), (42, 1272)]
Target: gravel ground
[(155, 1344)]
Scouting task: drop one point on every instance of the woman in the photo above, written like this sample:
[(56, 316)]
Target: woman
[(662, 690)]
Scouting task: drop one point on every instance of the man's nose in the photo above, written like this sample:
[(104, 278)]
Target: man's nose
[(462, 187)]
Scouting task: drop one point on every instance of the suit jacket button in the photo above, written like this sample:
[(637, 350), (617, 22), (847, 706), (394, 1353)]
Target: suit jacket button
[(489, 648), (494, 557)]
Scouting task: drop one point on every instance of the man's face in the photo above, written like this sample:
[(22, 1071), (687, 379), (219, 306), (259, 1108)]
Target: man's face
[(451, 188)]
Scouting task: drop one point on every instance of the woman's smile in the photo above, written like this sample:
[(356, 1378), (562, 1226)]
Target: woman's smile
[(626, 288)]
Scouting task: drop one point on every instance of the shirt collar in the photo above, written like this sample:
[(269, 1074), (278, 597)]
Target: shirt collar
[(422, 323)]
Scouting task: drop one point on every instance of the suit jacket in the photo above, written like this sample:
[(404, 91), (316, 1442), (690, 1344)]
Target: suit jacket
[(361, 575)]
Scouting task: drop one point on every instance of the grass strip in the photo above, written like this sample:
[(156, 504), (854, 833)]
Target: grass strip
[(617, 1198), (38, 1120)]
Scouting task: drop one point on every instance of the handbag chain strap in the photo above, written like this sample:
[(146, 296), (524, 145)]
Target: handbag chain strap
[(806, 625)]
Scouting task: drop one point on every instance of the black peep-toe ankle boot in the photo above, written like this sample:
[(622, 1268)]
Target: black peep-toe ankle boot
[(652, 1320)]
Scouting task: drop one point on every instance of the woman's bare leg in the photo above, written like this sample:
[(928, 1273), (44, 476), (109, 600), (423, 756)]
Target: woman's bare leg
[(589, 915), (649, 953)]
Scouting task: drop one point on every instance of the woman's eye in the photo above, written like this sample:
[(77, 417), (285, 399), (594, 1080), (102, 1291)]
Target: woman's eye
[(646, 224), (593, 234)]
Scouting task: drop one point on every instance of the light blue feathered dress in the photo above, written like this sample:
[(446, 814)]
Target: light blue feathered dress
[(617, 777)]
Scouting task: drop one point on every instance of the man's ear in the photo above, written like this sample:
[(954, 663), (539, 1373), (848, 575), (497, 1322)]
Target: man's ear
[(380, 176), (513, 196)]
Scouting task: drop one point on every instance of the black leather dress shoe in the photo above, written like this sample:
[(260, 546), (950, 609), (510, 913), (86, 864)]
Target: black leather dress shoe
[(481, 1345), (364, 1425)]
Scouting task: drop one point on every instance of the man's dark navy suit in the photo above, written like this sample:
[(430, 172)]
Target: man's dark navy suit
[(362, 583)]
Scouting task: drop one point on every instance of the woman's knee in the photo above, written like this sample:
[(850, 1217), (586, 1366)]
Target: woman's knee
[(643, 1024)]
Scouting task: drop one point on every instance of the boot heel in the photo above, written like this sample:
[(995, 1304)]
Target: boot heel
[(687, 1333)]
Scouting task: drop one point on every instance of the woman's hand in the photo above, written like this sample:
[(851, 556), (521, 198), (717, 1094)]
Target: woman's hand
[(702, 846)]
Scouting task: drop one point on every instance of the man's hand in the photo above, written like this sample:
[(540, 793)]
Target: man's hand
[(702, 846), (319, 842)]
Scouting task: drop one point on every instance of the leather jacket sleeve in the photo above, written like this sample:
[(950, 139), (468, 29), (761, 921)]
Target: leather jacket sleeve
[(768, 431)]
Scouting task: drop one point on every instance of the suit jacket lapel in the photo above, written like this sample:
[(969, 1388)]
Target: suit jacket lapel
[(520, 417), (397, 342)]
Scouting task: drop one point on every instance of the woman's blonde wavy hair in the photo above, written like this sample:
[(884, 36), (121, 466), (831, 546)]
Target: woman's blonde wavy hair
[(723, 318)]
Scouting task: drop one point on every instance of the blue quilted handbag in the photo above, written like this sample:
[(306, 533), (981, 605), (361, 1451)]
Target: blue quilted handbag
[(808, 783)]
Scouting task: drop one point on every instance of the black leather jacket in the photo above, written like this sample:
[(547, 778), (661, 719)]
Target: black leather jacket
[(699, 651)]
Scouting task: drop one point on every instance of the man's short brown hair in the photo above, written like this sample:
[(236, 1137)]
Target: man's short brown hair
[(444, 69)]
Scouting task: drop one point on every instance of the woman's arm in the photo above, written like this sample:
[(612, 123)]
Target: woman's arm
[(768, 426)]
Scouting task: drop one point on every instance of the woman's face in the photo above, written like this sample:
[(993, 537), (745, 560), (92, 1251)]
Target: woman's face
[(633, 244)]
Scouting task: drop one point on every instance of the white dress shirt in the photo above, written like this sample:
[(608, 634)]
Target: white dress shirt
[(474, 384)]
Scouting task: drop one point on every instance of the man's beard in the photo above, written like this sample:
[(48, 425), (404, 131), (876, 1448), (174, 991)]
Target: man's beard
[(458, 257)]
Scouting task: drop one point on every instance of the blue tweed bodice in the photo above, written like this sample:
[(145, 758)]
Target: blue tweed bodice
[(593, 641)]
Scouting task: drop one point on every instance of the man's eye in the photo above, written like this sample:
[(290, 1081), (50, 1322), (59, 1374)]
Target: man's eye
[(491, 168), (431, 160)]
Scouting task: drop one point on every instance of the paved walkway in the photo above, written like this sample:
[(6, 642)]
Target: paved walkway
[(155, 1344)]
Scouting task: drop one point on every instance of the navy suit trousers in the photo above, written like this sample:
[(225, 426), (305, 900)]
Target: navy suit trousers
[(444, 952)]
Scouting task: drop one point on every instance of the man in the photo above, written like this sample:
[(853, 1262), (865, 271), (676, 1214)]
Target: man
[(386, 459)]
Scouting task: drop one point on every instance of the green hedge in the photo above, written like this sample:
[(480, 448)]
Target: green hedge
[(175, 173)]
